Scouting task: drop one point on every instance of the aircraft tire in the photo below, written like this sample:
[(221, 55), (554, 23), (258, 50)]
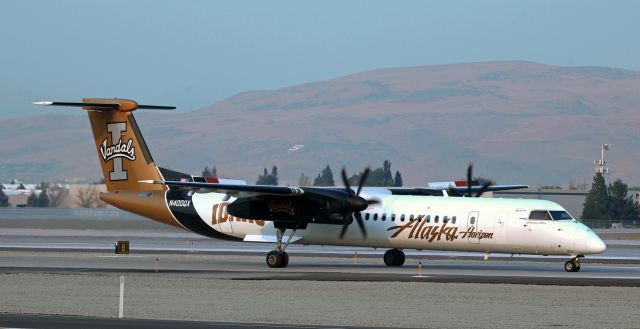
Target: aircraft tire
[(401, 258), (389, 257), (394, 257), (276, 259), (572, 266)]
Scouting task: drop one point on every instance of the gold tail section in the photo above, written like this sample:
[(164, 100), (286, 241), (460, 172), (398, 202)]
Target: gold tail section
[(125, 158), (122, 151)]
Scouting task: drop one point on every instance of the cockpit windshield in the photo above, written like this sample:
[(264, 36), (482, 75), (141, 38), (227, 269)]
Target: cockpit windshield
[(560, 215), (539, 215), (549, 215)]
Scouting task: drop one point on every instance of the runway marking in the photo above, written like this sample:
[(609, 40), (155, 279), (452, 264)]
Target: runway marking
[(125, 256)]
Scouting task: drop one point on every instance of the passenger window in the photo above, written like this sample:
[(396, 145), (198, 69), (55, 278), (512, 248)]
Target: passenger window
[(393, 217), (539, 215), (420, 218), (435, 219), (445, 219), (428, 218), (402, 218), (384, 217), (366, 216), (411, 218), (453, 219), (375, 216)]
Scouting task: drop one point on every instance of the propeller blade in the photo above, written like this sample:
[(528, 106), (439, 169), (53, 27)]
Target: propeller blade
[(345, 224), (484, 188), (361, 224), (469, 178), (363, 179), (345, 180), (354, 202)]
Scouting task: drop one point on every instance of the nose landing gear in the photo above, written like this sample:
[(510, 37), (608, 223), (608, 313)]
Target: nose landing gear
[(572, 265)]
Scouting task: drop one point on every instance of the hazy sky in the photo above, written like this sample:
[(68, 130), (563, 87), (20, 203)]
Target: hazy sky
[(193, 53)]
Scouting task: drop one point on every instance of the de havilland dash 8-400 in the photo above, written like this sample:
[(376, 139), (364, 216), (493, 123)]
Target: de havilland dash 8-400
[(448, 217)]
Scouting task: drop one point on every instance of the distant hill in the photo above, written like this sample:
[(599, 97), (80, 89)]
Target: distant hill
[(16, 102), (520, 122)]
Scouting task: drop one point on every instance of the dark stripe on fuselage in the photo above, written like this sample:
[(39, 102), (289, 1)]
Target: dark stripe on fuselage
[(181, 206)]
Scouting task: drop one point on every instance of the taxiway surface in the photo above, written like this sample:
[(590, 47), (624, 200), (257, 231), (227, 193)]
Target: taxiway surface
[(88, 245), (68, 267)]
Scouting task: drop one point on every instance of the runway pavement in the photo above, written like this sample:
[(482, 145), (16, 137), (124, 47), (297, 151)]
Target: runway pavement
[(67, 267), (70, 322), (63, 245)]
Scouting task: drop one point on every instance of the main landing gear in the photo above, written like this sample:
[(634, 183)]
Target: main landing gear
[(572, 265), (394, 257), (278, 257)]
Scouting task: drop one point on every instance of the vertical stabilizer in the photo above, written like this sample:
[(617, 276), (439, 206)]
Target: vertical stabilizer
[(124, 157), (122, 152)]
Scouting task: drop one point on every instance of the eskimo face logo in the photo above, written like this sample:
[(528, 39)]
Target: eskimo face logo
[(281, 206), (117, 151)]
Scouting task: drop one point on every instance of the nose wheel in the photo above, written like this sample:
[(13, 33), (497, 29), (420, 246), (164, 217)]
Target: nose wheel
[(572, 265)]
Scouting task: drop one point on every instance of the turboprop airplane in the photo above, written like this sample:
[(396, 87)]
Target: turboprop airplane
[(434, 218)]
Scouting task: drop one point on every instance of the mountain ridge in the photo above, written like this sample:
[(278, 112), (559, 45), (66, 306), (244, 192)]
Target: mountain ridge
[(520, 122)]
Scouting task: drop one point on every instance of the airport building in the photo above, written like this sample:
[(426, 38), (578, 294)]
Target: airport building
[(74, 195)]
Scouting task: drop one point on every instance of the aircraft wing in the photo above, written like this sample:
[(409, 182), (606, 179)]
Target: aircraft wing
[(239, 190), (287, 207), (242, 190), (452, 190), (490, 188)]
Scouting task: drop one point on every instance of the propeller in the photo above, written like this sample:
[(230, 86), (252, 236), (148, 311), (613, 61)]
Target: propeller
[(355, 203), (483, 189), (469, 178)]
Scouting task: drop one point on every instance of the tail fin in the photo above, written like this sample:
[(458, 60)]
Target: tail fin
[(125, 158), (122, 151)]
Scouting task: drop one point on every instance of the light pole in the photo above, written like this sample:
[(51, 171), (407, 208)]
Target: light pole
[(601, 165)]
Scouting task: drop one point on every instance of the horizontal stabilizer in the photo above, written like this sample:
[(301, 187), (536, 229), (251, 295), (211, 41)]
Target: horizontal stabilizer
[(71, 104), (123, 105)]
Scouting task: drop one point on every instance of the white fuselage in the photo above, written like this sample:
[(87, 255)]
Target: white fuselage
[(427, 222)]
